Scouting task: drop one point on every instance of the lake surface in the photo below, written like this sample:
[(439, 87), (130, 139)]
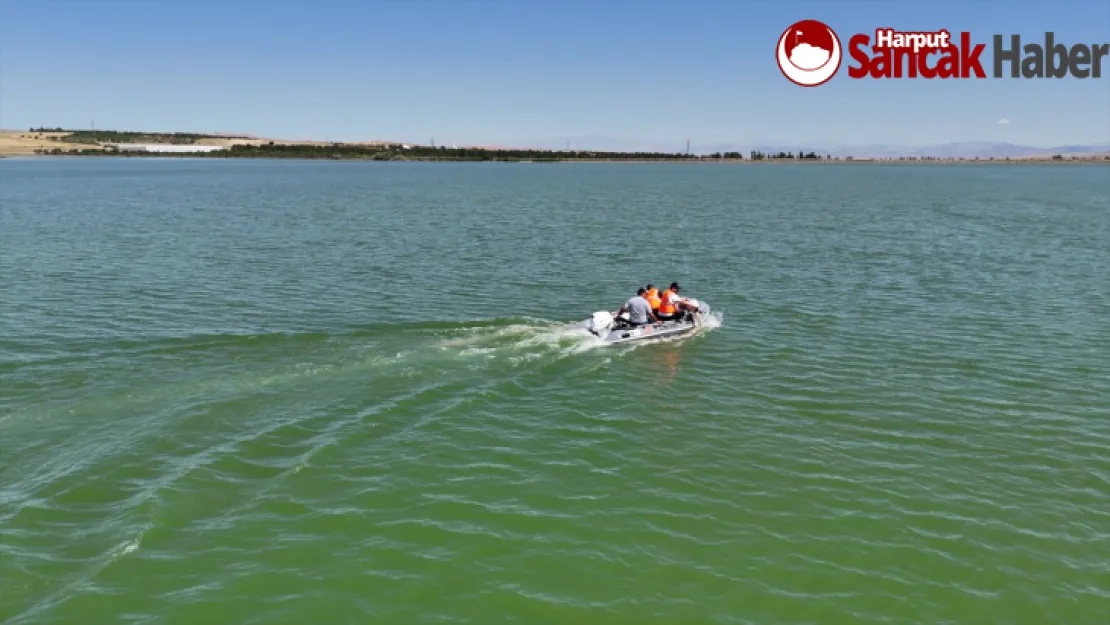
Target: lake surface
[(327, 392)]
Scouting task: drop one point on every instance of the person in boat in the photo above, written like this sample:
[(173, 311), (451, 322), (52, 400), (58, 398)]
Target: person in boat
[(638, 309), (672, 307), (653, 298)]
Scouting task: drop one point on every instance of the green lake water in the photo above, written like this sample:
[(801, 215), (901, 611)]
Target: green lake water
[(328, 392)]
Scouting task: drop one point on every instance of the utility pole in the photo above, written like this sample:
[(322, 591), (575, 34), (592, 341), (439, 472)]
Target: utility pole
[(687, 147)]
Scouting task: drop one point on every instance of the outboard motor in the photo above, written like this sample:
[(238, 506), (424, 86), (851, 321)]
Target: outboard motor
[(601, 323)]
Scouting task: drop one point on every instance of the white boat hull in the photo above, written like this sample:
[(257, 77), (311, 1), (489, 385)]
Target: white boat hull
[(604, 326)]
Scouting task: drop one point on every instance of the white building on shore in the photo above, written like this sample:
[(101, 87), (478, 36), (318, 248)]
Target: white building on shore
[(166, 147)]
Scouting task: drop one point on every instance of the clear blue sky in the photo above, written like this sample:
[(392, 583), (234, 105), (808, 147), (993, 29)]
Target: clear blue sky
[(514, 71)]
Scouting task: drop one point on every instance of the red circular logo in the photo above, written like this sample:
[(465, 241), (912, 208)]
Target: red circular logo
[(809, 53)]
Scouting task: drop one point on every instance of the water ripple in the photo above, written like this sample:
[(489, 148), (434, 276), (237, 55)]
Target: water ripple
[(261, 392)]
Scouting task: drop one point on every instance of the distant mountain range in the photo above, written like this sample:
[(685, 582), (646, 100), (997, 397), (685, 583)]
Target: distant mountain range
[(964, 150), (944, 150)]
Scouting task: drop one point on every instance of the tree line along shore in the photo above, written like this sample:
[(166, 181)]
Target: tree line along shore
[(114, 143)]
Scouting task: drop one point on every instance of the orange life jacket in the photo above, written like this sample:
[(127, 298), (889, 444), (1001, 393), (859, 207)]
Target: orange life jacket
[(667, 305), (652, 297)]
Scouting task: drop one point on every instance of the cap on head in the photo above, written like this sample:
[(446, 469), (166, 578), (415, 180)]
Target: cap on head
[(674, 285)]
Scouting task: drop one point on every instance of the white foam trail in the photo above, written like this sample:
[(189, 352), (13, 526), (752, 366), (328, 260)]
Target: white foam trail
[(546, 340), (483, 334), (478, 351), (128, 547)]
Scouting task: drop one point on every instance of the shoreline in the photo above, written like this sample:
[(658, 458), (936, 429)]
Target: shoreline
[(1087, 160), (44, 142)]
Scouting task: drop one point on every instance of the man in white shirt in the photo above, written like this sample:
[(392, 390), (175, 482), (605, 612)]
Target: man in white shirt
[(672, 307)]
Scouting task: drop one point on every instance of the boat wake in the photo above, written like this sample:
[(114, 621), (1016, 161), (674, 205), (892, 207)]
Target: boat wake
[(543, 337), (303, 361), (538, 339)]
